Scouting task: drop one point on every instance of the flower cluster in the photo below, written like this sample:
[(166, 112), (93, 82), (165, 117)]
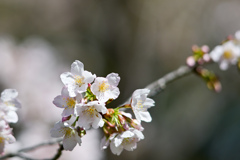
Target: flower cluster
[(8, 107), (84, 98), (228, 53)]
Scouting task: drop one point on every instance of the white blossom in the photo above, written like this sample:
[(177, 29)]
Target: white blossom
[(70, 136), (9, 98), (8, 105), (67, 102), (226, 54), (77, 80), (126, 140), (89, 114), (6, 136), (237, 35), (140, 103), (106, 88)]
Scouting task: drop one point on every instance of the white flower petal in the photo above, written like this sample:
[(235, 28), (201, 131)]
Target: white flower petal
[(237, 35), (78, 139), (10, 139), (145, 116), (224, 65), (117, 140), (130, 146), (101, 108), (69, 142), (77, 67), (127, 134), (138, 134), (116, 150), (98, 122), (84, 122), (65, 92), (56, 133), (9, 94), (148, 102), (113, 79), (67, 78), (11, 117), (89, 77), (104, 143), (60, 102), (140, 92), (67, 112), (127, 114)]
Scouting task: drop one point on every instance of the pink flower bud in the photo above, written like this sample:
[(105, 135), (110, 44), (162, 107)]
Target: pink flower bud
[(191, 61), (65, 118)]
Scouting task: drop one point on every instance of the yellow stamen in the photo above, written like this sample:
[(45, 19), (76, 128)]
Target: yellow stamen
[(139, 104), (9, 104), (103, 87), (90, 111), (79, 80), (71, 102), (67, 131), (228, 54)]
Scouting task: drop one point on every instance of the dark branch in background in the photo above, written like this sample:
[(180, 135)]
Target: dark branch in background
[(159, 85), (28, 149), (155, 88)]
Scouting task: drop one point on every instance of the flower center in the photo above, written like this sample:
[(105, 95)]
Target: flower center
[(9, 104), (103, 87), (79, 80), (127, 141), (140, 105), (90, 111), (71, 102), (228, 54), (67, 132)]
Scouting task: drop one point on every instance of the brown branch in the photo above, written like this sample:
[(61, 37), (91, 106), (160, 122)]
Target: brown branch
[(160, 84), (28, 149)]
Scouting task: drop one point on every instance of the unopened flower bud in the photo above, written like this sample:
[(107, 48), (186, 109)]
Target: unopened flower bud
[(206, 58), (190, 61), (135, 124), (205, 48), (66, 118)]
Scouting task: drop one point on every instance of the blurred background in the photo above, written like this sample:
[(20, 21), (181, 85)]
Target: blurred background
[(142, 40)]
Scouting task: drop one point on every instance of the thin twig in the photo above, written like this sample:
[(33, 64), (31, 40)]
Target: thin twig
[(47, 143), (59, 152), (160, 84)]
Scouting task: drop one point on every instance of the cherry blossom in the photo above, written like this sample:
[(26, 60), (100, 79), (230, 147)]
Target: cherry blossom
[(225, 54), (106, 88), (70, 135), (6, 136), (67, 102), (8, 105), (126, 140), (140, 103), (9, 98), (89, 114), (77, 80)]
